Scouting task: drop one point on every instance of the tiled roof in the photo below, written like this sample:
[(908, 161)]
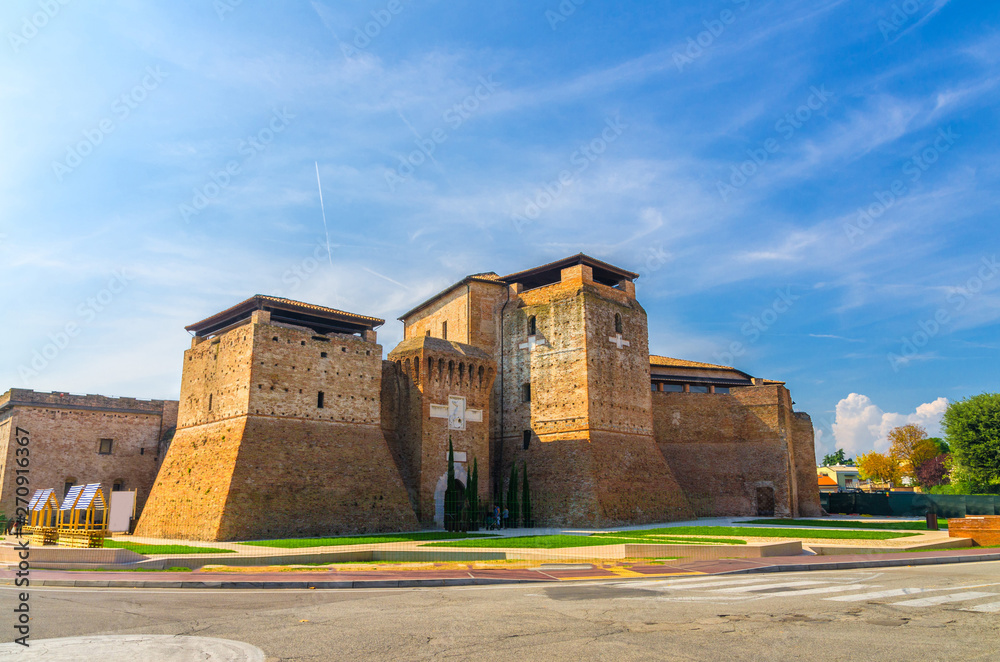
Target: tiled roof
[(667, 362), (826, 481), (261, 302), (313, 307)]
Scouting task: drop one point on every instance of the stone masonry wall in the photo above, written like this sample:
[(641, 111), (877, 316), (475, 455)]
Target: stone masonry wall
[(66, 432), (290, 467)]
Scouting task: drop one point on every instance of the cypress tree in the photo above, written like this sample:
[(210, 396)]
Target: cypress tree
[(526, 497), (472, 495), (512, 505), (450, 507)]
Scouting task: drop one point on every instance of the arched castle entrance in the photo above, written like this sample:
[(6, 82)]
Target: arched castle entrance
[(462, 477)]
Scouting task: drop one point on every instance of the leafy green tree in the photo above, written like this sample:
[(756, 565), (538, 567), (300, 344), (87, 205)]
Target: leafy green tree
[(512, 505), (942, 446), (525, 497), (880, 467), (972, 427), (837, 458)]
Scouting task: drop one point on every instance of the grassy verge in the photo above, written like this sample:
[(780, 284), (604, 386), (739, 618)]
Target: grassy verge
[(174, 569), (296, 543), (534, 542), (744, 532), (894, 526), (562, 541), (139, 548)]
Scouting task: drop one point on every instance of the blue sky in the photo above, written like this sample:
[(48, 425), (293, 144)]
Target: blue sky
[(808, 189)]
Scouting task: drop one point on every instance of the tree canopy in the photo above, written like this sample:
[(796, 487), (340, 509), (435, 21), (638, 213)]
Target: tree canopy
[(837, 458), (910, 447), (972, 427), (879, 467)]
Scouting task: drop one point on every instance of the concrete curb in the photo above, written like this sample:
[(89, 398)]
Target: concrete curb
[(375, 583), (473, 581), (855, 565)]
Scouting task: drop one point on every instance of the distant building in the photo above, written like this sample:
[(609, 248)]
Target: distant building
[(847, 478), (827, 484)]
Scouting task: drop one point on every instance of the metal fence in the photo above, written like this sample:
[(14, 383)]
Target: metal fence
[(910, 504)]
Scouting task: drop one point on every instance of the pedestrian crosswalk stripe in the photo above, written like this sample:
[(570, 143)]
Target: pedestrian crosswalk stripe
[(942, 599), (705, 581), (987, 608), (825, 589), (764, 587), (670, 586), (892, 593)]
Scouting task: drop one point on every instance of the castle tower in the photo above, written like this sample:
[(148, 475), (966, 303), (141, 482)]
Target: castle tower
[(279, 430), (438, 391), (576, 397)]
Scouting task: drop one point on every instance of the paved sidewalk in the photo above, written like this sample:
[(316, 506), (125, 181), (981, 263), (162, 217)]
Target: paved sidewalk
[(457, 576)]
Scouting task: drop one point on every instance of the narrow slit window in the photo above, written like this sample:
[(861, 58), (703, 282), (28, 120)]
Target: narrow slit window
[(618, 323), (319, 400), (527, 439), (444, 330), (526, 393), (532, 326)]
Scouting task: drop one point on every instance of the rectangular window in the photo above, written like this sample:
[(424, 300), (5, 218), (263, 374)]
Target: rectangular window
[(722, 390), (699, 389), (444, 330), (654, 387), (319, 400), (322, 355), (105, 448), (673, 388), (526, 393), (527, 439)]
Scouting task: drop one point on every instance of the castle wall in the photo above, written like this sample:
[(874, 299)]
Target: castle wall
[(723, 447), (66, 431)]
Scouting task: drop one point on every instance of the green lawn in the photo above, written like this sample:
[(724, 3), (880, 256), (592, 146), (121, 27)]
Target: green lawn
[(139, 548), (296, 543), (534, 542), (562, 541), (896, 526), (744, 532)]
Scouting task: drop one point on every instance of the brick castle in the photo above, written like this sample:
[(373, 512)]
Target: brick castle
[(290, 423)]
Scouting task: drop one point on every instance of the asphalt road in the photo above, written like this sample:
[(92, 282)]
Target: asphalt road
[(946, 612)]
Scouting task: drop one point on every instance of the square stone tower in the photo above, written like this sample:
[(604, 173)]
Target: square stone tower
[(576, 398), (279, 430)]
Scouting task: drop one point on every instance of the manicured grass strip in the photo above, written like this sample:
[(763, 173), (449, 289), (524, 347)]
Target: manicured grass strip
[(534, 542), (296, 543), (140, 548), (843, 524), (674, 540), (744, 532)]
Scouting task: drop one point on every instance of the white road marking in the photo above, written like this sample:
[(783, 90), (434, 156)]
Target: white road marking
[(821, 591), (892, 593), (715, 584), (986, 608), (764, 587), (942, 599)]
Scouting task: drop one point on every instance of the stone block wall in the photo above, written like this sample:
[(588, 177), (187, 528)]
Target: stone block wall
[(66, 431)]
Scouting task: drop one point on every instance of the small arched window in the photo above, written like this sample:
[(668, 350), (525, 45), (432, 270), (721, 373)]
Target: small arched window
[(532, 327), (618, 322), (117, 485)]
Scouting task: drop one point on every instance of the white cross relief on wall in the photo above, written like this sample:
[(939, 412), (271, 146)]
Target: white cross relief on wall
[(456, 413), (617, 340), (533, 342)]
